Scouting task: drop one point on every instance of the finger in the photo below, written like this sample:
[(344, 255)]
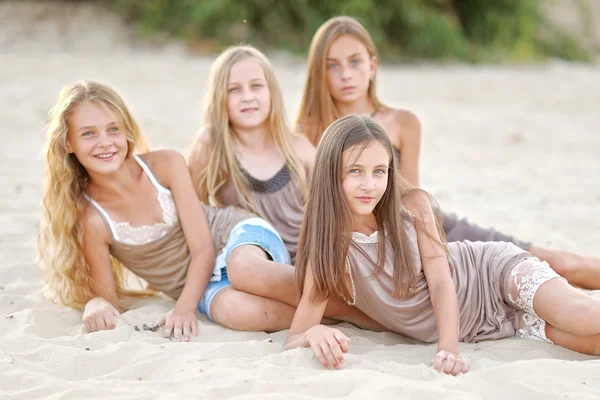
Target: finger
[(450, 362), (195, 327), (458, 366), (187, 329), (93, 325), (168, 327), (110, 321), (320, 355), (331, 360), (300, 342), (178, 330), (343, 340), (337, 352), (465, 368), (161, 321), (438, 360), (87, 325), (100, 323)]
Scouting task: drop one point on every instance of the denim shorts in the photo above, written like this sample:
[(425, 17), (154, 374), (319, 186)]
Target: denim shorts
[(253, 231)]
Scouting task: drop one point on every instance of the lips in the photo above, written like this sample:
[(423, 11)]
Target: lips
[(249, 110), (365, 199), (348, 88), (105, 156)]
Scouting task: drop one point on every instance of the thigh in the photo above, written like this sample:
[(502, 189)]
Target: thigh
[(581, 344)]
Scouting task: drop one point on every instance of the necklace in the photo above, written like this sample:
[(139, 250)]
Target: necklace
[(353, 302)]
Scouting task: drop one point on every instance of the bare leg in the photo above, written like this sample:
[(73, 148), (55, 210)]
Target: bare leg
[(582, 271), (250, 271), (567, 309), (582, 344), (246, 312)]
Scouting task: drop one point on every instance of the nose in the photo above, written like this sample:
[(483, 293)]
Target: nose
[(368, 183), (104, 139), (346, 72), (247, 95)]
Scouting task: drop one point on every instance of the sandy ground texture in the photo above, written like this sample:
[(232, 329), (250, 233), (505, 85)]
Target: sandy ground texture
[(517, 148)]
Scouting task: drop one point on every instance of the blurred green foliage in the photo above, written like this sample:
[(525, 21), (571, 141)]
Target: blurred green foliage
[(467, 30)]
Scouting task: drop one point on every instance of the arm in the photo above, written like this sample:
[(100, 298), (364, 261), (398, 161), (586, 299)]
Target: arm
[(305, 151), (198, 159), (173, 171), (328, 343), (410, 146), (100, 312), (439, 280)]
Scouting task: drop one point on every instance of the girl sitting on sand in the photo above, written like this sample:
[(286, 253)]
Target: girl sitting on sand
[(372, 238), (341, 79), (106, 208), (248, 157)]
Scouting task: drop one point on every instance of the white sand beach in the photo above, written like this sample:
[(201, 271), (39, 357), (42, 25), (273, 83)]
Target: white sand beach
[(514, 147)]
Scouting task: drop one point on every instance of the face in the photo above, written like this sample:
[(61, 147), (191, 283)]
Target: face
[(96, 138), (248, 96), (349, 69), (365, 177)]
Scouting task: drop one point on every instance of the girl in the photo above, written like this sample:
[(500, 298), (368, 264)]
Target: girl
[(341, 79), (382, 250), (106, 208), (248, 157)]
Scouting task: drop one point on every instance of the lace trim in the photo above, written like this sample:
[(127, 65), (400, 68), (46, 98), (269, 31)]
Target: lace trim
[(362, 238), (138, 235), (524, 281), (406, 210)]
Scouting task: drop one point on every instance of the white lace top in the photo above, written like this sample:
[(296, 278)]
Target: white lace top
[(124, 232)]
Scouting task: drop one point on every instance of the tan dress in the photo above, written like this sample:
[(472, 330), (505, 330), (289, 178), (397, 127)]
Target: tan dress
[(495, 284), (159, 253), (277, 200)]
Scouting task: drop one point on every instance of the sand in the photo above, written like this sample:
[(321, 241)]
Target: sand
[(515, 147)]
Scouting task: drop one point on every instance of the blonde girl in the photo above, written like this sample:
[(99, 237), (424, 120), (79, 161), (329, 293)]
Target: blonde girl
[(382, 250), (342, 79), (246, 156), (108, 209)]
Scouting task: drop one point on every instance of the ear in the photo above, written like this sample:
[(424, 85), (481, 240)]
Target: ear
[(373, 62), (68, 147)]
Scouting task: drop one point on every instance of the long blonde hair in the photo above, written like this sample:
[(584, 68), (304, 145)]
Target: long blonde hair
[(222, 164), (326, 233), (317, 108), (64, 203)]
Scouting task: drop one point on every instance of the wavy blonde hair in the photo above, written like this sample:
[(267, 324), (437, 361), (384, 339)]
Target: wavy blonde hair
[(222, 164), (317, 108), (64, 203)]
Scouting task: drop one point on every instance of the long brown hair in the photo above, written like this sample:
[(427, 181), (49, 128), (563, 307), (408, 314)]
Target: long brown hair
[(317, 108), (222, 164), (64, 203), (326, 232)]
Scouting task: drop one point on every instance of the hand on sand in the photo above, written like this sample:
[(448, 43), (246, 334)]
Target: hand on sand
[(329, 345), (450, 363), (99, 315), (179, 324)]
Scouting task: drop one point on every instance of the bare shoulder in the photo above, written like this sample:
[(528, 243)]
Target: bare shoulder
[(304, 150), (94, 225), (165, 164), (407, 121), (418, 202)]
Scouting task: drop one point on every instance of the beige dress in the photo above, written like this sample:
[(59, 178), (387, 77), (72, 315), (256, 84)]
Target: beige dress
[(159, 253), (495, 284), (277, 200)]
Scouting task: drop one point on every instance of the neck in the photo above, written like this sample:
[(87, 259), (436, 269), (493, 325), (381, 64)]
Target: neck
[(365, 224), (111, 185), (253, 139), (360, 106)]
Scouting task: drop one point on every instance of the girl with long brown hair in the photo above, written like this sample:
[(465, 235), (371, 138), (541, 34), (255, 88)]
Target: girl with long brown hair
[(342, 79), (373, 239)]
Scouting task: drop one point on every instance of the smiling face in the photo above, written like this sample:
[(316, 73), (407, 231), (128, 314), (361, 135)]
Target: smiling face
[(248, 96), (349, 69), (96, 138), (365, 177)]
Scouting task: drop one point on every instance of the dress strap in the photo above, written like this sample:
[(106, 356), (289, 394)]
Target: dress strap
[(105, 216), (151, 176)]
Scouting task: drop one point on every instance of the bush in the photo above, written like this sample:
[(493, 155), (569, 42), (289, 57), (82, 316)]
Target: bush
[(472, 30)]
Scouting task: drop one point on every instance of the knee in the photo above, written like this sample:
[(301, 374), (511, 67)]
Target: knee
[(239, 266)]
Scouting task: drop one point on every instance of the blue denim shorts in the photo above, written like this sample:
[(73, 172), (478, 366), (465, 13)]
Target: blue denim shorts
[(253, 231)]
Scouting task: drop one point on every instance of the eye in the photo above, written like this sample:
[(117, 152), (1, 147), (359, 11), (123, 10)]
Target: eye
[(355, 62), (331, 65), (355, 171), (233, 89), (114, 129), (381, 171), (87, 133), (257, 85)]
